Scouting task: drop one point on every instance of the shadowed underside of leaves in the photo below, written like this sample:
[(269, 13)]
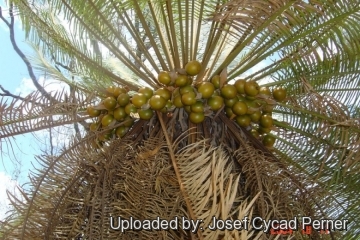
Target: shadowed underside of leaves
[(216, 169)]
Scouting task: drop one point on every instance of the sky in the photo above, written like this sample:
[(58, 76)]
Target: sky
[(14, 167)]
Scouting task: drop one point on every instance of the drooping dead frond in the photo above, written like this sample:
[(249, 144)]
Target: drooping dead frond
[(47, 186), (36, 112), (210, 185), (126, 180), (87, 192)]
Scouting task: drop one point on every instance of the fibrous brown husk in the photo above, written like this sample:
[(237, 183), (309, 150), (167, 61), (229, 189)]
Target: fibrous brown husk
[(222, 172)]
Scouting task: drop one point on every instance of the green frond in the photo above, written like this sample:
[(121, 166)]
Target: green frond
[(309, 47)]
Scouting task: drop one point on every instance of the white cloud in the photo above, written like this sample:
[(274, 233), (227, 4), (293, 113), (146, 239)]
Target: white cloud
[(60, 134), (10, 185), (25, 88), (50, 85)]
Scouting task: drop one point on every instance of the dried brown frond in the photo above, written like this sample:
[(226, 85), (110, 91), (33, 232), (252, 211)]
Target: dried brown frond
[(37, 112), (227, 175), (206, 173)]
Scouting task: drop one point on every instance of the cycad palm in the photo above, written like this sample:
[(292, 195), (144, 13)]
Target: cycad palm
[(310, 48)]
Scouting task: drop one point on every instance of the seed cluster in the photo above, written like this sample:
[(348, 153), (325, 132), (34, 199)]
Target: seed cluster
[(244, 101)]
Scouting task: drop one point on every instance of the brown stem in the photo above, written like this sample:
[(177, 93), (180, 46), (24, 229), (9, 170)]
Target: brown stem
[(22, 55), (9, 94), (176, 169), (2, 18)]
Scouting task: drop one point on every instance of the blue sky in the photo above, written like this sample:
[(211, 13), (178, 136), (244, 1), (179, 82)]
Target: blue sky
[(14, 78), (16, 162)]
